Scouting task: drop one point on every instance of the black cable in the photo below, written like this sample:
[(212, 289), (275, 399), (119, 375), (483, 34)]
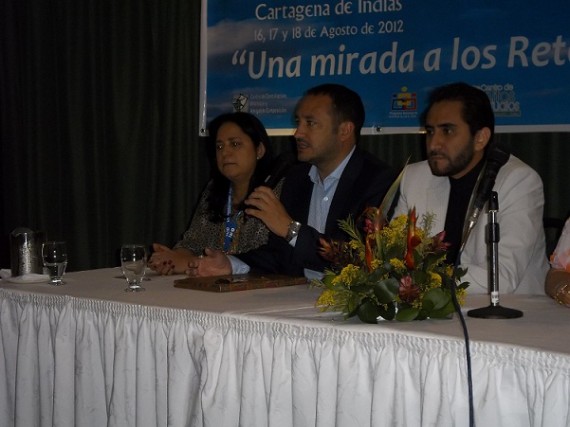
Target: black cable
[(467, 348)]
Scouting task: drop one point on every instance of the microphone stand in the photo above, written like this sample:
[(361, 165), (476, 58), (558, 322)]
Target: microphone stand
[(494, 310)]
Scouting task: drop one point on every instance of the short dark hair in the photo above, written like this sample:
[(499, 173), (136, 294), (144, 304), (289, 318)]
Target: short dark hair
[(347, 104), (477, 111), (253, 128)]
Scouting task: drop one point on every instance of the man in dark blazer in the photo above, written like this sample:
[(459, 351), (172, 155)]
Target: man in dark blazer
[(335, 179)]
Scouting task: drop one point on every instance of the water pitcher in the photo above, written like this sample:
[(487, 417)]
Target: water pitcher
[(26, 251)]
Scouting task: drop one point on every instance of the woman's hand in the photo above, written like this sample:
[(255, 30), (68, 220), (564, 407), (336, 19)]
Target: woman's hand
[(167, 261), (213, 263)]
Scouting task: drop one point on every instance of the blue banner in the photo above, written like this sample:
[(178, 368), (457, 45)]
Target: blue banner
[(259, 56)]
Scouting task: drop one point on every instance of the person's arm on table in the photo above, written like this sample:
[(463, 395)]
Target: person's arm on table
[(212, 263), (557, 286), (264, 205), (557, 283), (167, 261)]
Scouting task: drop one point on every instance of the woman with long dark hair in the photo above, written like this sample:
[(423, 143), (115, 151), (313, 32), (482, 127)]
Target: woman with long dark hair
[(240, 154)]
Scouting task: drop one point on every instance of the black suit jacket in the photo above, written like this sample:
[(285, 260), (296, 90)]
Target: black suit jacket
[(363, 183)]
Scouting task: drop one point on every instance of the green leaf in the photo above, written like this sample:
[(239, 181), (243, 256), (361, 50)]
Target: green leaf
[(352, 304), (431, 260), (418, 259), (327, 280), (437, 297), (351, 312), (368, 311), (349, 227), (375, 275), (391, 193), (463, 285), (386, 290), (361, 288), (444, 313), (422, 315), (419, 276), (407, 314), (427, 306)]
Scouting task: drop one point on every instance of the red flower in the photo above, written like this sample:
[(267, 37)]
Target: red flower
[(368, 226), (412, 241), (329, 249), (408, 292), (368, 254), (338, 253), (373, 221), (438, 243)]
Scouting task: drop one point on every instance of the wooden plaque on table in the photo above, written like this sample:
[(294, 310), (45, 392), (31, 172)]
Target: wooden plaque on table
[(238, 282)]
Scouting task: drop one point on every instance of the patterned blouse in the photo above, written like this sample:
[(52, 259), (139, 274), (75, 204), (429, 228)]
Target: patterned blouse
[(203, 233)]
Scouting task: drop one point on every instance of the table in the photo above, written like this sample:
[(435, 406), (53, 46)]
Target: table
[(89, 354)]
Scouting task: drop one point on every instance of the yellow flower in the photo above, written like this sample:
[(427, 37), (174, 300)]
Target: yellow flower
[(375, 264), (355, 244), (394, 233), (347, 275), (435, 280), (399, 223), (326, 299), (461, 293), (418, 302), (398, 264)]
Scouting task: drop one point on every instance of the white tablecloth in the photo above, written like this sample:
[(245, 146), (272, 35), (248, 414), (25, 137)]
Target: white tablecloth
[(89, 354)]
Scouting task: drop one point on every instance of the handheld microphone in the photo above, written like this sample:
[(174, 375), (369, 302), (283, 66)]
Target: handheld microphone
[(281, 166), (496, 158)]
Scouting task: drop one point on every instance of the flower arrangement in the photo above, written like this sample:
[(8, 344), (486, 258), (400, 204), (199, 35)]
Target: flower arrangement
[(395, 270)]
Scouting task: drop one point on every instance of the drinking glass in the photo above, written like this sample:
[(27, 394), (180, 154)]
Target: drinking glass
[(133, 264), (54, 255)]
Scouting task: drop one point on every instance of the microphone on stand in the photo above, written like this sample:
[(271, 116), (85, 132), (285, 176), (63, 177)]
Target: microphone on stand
[(496, 158), (494, 310), (493, 237)]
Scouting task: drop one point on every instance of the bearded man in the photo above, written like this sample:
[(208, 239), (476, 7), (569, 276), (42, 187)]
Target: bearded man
[(459, 123)]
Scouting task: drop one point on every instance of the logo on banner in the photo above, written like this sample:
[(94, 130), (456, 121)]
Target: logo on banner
[(503, 99), (240, 103), (404, 104)]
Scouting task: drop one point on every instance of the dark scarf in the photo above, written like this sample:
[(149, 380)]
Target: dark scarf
[(459, 196)]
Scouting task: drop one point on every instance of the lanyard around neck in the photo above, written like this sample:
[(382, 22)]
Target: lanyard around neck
[(231, 223)]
